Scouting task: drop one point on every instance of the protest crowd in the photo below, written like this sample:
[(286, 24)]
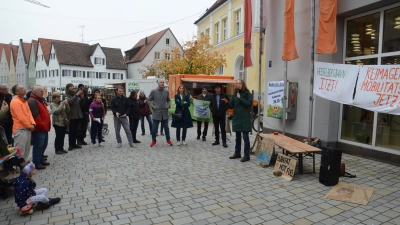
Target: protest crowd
[(26, 119)]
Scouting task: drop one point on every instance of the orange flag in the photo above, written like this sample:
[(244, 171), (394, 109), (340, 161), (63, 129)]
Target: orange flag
[(289, 40), (326, 42)]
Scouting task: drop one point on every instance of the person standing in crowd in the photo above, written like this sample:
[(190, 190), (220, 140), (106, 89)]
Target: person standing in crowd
[(59, 110), (218, 108), (182, 101), (240, 102), (40, 134), (74, 115), (120, 108), (134, 115), (7, 122), (144, 111), (103, 99), (84, 121), (160, 103), (24, 123), (205, 96), (96, 112)]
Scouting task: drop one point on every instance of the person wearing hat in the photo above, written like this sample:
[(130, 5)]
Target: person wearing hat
[(205, 96), (218, 109), (59, 110), (74, 114)]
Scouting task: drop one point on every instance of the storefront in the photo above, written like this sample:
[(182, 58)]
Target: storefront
[(368, 33)]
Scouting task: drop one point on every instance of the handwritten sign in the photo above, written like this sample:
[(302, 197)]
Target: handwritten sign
[(275, 97), (286, 165), (335, 82), (201, 109), (266, 150), (378, 89), (351, 193)]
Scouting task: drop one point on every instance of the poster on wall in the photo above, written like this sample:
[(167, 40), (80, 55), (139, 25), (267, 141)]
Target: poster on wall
[(335, 82), (378, 89), (275, 98)]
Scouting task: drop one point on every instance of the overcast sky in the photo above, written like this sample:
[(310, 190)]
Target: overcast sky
[(102, 19)]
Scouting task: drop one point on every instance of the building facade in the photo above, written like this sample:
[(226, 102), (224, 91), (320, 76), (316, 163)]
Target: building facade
[(368, 33), (149, 49), (224, 24), (21, 67)]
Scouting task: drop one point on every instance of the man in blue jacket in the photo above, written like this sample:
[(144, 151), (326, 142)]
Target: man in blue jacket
[(121, 108)]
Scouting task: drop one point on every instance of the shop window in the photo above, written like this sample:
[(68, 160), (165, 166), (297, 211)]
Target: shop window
[(391, 33), (357, 124), (388, 131), (391, 60), (363, 35)]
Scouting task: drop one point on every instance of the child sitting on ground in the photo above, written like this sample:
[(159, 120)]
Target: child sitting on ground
[(25, 193)]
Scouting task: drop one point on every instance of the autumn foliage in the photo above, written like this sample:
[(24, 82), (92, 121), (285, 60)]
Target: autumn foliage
[(193, 57)]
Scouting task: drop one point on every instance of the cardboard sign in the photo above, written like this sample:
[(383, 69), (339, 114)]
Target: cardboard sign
[(201, 109), (351, 193), (335, 82), (266, 150), (378, 89), (286, 165)]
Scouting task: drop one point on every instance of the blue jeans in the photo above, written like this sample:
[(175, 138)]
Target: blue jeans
[(40, 144), (178, 134), (149, 120), (164, 123), (238, 145)]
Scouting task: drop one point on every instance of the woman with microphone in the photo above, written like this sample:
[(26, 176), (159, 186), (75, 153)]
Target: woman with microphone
[(241, 101)]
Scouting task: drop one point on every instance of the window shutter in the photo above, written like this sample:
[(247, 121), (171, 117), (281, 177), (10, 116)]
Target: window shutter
[(57, 72), (83, 74), (74, 73), (97, 74), (63, 73), (122, 76), (103, 61), (109, 76)]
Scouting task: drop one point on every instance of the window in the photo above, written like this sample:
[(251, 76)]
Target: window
[(208, 32), (77, 73), (237, 21), (202, 35), (91, 74), (66, 73), (220, 70), (103, 75), (224, 29), (116, 76), (157, 55), (167, 41), (168, 56), (97, 61), (51, 73), (52, 55), (216, 33), (364, 36)]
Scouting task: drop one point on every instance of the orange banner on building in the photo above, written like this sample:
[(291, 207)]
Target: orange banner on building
[(326, 42), (289, 51)]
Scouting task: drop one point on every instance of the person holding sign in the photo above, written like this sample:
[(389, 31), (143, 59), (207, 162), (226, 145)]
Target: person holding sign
[(240, 102), (218, 108), (182, 101), (205, 96)]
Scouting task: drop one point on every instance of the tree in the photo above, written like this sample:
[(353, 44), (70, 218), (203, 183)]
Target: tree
[(193, 57)]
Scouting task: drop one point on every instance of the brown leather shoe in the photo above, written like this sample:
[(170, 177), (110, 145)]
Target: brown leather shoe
[(245, 159), (235, 157), (40, 167)]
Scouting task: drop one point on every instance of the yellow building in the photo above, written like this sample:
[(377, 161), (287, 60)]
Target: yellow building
[(224, 24)]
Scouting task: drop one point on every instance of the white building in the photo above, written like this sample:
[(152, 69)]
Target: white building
[(21, 66), (60, 62), (4, 68), (147, 50), (337, 124)]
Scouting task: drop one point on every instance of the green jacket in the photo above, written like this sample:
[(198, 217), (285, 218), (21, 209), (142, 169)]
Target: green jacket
[(59, 112), (241, 115)]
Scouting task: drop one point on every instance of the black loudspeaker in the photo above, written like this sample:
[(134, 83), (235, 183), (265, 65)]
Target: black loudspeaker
[(329, 172)]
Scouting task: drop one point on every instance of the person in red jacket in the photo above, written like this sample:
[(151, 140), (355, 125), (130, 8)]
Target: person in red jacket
[(40, 134)]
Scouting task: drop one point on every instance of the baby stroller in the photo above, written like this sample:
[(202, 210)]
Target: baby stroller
[(10, 158)]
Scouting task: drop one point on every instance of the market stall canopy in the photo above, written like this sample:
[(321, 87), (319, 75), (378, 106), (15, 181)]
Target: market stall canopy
[(208, 80)]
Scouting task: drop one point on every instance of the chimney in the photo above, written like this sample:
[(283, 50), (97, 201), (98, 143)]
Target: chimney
[(145, 41)]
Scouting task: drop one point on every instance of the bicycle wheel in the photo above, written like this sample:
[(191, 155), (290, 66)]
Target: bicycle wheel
[(254, 123)]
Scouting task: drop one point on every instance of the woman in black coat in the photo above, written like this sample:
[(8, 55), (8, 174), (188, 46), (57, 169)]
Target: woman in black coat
[(134, 115), (182, 101)]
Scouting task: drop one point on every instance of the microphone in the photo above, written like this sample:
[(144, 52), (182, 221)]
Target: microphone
[(237, 90)]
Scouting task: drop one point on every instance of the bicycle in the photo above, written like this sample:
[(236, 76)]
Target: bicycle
[(254, 121)]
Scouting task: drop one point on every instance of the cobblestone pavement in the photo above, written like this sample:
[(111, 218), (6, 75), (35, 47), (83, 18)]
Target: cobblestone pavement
[(196, 184)]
